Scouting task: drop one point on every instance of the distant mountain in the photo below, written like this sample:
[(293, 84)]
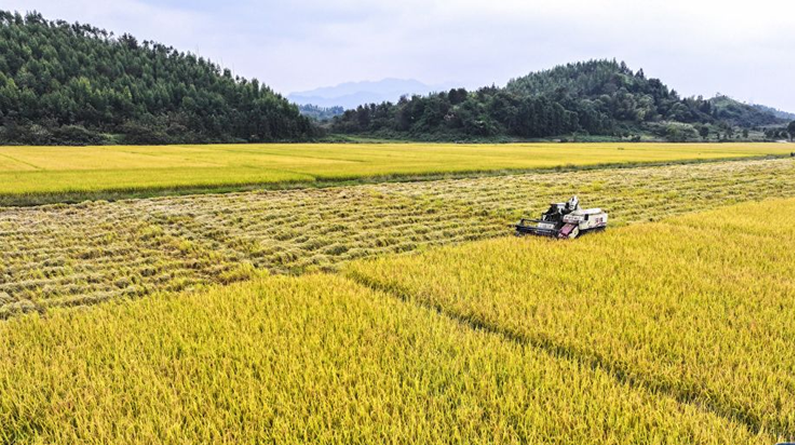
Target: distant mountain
[(350, 95), (320, 114)]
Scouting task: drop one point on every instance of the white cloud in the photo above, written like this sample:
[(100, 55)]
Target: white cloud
[(699, 47)]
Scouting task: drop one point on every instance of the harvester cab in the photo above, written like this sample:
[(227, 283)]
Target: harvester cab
[(564, 220)]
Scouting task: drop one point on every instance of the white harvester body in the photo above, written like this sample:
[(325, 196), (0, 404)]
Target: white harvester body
[(587, 219)]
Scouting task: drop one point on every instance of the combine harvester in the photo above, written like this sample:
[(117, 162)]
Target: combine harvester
[(564, 220)]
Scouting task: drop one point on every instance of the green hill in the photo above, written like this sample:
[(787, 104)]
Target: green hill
[(73, 83), (609, 90), (743, 115), (787, 116), (599, 97)]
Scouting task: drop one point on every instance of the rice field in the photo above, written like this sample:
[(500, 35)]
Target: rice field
[(398, 312), (698, 307), (313, 359), (30, 175), (77, 255)]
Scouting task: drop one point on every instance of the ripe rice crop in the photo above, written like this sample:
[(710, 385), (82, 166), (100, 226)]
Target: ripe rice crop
[(313, 359), (699, 307), (72, 255), (49, 174)]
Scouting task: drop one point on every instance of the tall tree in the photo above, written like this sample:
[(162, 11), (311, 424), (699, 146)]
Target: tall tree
[(703, 131)]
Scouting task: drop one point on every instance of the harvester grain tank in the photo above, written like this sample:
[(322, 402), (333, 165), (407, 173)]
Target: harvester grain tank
[(564, 220)]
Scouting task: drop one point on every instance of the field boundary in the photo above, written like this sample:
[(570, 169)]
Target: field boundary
[(319, 182)]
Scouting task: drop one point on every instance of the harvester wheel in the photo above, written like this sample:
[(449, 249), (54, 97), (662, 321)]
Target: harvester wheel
[(574, 233)]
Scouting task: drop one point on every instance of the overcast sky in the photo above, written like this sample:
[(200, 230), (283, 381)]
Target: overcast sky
[(740, 48)]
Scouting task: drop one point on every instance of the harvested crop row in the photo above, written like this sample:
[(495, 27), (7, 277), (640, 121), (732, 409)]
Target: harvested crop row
[(70, 255), (631, 195), (313, 359), (699, 306)]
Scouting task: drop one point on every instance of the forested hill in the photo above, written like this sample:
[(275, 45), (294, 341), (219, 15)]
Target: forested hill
[(73, 83), (601, 97), (740, 114)]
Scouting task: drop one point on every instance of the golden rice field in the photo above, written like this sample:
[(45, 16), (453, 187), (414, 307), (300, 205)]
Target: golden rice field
[(698, 307), (75, 255), (315, 359), (31, 174), (397, 312)]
